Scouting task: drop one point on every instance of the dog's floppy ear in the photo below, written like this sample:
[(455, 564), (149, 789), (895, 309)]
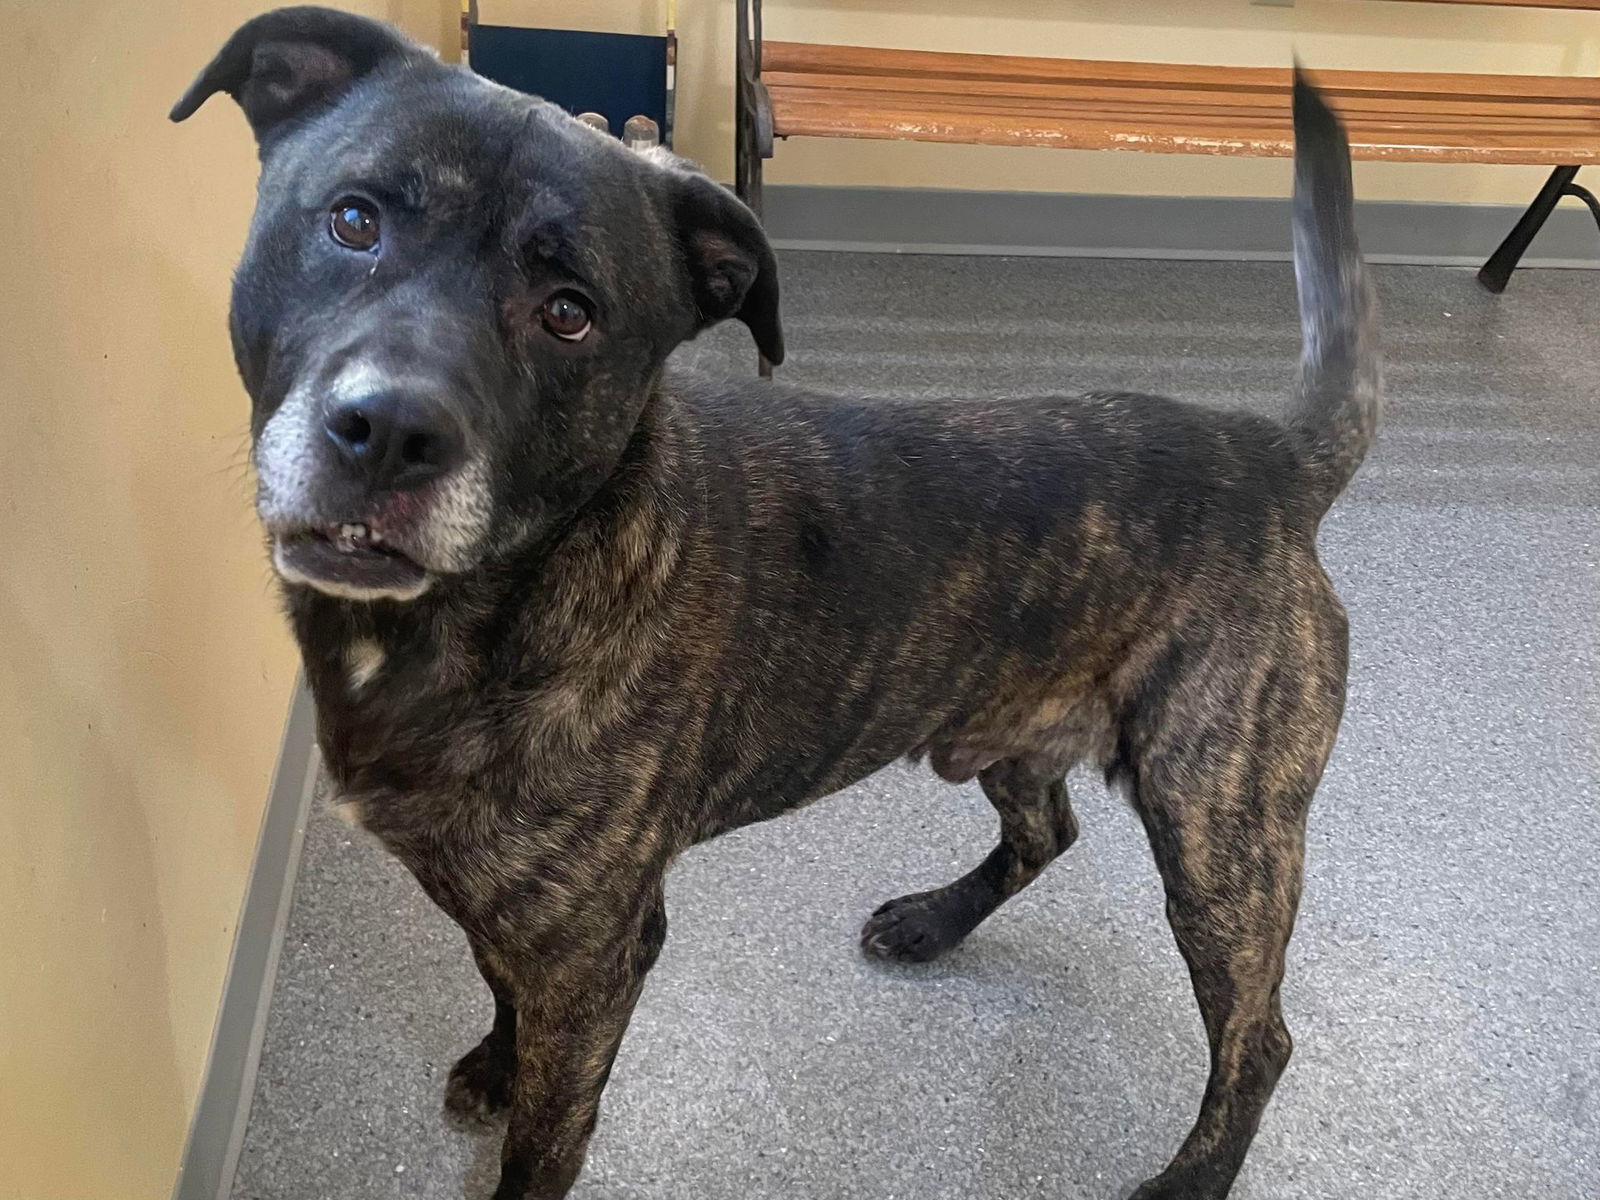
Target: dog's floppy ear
[(287, 62), (732, 271)]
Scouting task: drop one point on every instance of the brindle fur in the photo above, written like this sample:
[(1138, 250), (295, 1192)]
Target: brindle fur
[(761, 595)]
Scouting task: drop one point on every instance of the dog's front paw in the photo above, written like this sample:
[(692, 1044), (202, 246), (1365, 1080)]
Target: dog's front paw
[(480, 1084), (913, 929)]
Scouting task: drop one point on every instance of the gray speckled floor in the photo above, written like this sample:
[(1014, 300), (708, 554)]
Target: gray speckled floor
[(1444, 986)]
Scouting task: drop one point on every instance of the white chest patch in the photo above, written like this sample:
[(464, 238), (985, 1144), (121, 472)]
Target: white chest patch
[(363, 658)]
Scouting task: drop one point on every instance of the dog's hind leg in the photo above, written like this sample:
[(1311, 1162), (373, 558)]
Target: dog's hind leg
[(1223, 791), (1231, 898), (1036, 824)]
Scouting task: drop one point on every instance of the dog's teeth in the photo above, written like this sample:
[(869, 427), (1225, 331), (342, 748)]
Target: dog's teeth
[(349, 536)]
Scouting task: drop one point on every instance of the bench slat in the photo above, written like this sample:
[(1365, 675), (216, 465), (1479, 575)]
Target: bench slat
[(1260, 138), (1376, 127), (806, 57), (862, 90), (1002, 107), (929, 90), (859, 91)]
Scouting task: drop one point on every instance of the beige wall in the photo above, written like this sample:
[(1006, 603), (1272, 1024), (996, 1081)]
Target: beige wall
[(1371, 34), (144, 673)]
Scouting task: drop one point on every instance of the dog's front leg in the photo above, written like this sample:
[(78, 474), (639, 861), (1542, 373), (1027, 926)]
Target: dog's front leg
[(574, 990), (480, 1083)]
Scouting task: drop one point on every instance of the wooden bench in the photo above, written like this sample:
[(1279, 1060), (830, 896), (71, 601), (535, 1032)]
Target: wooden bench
[(791, 89)]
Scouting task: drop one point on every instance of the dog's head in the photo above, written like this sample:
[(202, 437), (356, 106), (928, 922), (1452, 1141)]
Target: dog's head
[(454, 300)]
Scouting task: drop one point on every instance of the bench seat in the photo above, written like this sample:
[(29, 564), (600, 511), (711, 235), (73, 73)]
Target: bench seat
[(867, 92)]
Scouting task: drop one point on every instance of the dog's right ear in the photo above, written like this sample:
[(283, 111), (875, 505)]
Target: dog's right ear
[(288, 62)]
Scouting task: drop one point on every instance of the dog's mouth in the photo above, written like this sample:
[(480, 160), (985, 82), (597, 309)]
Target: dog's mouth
[(350, 559)]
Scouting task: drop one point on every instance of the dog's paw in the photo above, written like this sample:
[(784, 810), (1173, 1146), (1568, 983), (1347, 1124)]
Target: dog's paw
[(913, 929), (480, 1084)]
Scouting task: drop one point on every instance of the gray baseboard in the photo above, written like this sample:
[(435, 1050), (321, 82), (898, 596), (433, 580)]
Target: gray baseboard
[(217, 1129), (935, 221)]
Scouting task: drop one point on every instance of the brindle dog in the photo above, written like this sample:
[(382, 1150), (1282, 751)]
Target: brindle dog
[(567, 612)]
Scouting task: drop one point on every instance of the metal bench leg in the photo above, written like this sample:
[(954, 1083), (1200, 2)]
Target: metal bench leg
[(1588, 197), (753, 199), (1496, 273), (752, 137), (741, 100), (752, 117)]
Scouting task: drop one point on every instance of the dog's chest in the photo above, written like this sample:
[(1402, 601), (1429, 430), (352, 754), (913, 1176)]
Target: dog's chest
[(440, 792), (436, 762), (404, 744)]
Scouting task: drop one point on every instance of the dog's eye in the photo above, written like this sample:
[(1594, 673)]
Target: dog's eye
[(353, 223), (566, 314)]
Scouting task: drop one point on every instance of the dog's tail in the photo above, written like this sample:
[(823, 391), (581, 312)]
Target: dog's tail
[(1337, 397)]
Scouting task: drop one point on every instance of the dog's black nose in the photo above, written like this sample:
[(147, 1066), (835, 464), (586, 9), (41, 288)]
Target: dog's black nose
[(393, 440)]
